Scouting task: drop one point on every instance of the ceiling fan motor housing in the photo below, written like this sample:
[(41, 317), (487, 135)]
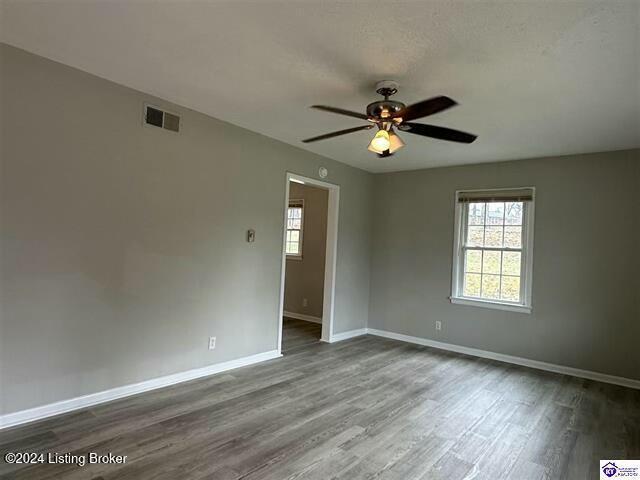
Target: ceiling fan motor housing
[(384, 109)]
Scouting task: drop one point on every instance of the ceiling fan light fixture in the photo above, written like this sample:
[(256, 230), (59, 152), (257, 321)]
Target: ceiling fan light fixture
[(380, 142), (395, 142), (373, 150)]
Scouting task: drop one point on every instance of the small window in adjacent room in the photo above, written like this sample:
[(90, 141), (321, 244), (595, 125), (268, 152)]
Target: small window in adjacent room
[(493, 248), (295, 222)]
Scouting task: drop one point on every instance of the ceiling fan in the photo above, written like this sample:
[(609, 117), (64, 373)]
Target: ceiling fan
[(389, 115)]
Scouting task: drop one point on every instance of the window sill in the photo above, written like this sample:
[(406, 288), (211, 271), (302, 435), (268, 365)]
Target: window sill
[(294, 257), (486, 304)]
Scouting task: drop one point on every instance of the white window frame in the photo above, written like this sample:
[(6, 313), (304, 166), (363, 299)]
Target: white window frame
[(296, 256), (526, 267)]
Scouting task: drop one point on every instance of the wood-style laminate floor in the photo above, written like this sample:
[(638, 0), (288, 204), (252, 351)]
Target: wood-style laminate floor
[(298, 333), (366, 408)]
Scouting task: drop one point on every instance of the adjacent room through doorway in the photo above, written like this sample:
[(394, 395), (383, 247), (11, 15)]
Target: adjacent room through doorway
[(305, 249)]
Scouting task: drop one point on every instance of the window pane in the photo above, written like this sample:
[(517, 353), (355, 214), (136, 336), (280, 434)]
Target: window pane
[(476, 214), (297, 212), (295, 235), (294, 223), (493, 236), (495, 213), (471, 285), (475, 236), (491, 286), (511, 289), (491, 262), (513, 237), (511, 263), (473, 261), (513, 213), (292, 248)]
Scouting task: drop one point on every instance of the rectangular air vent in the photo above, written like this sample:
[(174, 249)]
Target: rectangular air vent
[(160, 118)]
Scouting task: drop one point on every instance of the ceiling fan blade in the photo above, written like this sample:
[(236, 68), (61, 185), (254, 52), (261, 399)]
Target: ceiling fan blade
[(426, 108), (441, 133), (340, 111), (338, 133)]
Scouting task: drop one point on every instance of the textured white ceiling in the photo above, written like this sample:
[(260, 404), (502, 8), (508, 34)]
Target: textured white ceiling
[(532, 78)]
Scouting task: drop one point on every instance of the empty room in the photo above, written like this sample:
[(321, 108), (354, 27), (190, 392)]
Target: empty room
[(300, 240)]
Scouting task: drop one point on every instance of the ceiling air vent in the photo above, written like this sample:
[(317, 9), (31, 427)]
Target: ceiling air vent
[(160, 118)]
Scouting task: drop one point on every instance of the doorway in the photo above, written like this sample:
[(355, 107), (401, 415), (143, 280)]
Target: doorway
[(307, 287)]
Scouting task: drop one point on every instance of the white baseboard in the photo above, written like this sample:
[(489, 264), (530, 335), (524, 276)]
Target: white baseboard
[(302, 316), (346, 335), (525, 362), (64, 406)]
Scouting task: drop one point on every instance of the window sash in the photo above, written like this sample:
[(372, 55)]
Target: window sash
[(462, 220), (463, 272)]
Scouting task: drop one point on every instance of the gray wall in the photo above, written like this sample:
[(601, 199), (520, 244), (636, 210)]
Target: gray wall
[(305, 276), (586, 262), (123, 246)]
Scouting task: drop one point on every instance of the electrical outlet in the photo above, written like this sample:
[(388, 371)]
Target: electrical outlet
[(212, 343), (305, 302), (438, 325)]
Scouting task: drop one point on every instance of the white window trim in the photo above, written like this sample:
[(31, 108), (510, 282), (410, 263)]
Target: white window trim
[(527, 259), (296, 256)]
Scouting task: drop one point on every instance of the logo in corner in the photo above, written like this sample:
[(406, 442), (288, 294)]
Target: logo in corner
[(619, 469), (610, 469)]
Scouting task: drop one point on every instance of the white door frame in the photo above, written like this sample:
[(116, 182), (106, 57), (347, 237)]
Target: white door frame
[(330, 257)]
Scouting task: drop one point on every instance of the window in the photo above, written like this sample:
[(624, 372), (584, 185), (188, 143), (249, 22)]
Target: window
[(493, 249), (295, 221)]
